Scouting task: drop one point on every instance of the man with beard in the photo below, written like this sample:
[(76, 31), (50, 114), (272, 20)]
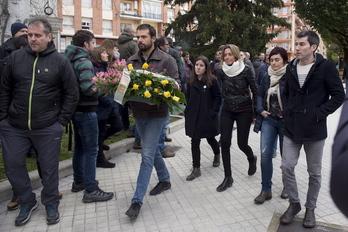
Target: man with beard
[(150, 118)]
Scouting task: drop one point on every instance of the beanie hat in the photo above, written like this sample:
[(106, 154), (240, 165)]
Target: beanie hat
[(15, 27)]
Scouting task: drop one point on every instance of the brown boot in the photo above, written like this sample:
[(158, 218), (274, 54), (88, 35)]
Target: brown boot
[(167, 154)]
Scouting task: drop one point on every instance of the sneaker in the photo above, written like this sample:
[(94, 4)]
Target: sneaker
[(160, 187), (97, 195), (77, 187), (167, 154), (13, 204), (133, 210), (137, 145), (105, 164), (25, 213), (52, 214), (309, 219)]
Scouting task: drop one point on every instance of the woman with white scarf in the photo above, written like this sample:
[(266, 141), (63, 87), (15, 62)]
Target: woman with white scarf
[(237, 82), (269, 120)]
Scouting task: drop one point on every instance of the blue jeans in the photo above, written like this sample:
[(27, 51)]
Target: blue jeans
[(86, 148), (136, 133), (161, 145), (149, 130), (270, 129)]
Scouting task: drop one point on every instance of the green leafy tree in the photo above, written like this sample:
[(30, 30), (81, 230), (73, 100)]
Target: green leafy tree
[(211, 23), (329, 18)]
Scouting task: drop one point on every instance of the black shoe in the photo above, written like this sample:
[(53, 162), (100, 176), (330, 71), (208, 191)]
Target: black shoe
[(167, 139), (137, 145), (290, 213), (105, 164), (133, 210), (196, 172), (106, 147), (77, 187), (216, 162), (309, 219), (252, 166), (14, 203), (25, 213), (160, 187), (228, 181), (284, 195), (52, 214), (262, 197), (97, 195)]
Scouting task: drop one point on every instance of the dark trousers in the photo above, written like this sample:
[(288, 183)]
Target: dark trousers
[(196, 151), (104, 133), (123, 109), (243, 120), (16, 143)]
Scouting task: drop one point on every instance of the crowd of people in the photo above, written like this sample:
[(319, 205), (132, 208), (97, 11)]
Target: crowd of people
[(42, 90)]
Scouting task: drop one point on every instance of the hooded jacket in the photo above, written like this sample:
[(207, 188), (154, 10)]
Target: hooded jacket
[(306, 108), (6, 48), (37, 89), (84, 72), (127, 46)]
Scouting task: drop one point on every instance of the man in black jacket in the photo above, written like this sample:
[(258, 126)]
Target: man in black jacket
[(312, 91), (17, 29), (38, 95)]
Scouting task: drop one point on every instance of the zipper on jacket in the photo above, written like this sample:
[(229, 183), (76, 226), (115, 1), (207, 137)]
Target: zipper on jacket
[(31, 91)]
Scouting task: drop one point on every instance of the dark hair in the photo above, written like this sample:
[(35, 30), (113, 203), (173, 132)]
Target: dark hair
[(281, 51), (152, 30), (38, 20), (20, 41), (170, 41), (207, 76), (312, 37), (185, 53), (82, 36), (96, 53), (160, 41), (109, 45)]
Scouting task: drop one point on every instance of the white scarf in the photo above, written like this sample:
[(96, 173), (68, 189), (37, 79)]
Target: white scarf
[(274, 84), (234, 69)]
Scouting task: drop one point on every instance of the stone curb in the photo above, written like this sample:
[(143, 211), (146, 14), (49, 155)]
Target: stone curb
[(65, 166)]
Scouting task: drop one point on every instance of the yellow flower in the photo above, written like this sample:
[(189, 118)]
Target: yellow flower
[(164, 82), (147, 83), (166, 94), (156, 90), (130, 67), (135, 86), (145, 66), (175, 98), (147, 94)]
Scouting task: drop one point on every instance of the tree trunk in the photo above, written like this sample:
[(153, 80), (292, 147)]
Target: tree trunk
[(4, 16)]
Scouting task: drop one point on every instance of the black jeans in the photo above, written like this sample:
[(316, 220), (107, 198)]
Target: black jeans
[(196, 151), (243, 120)]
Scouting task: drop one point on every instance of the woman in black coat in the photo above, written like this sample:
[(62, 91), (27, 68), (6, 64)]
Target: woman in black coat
[(201, 115)]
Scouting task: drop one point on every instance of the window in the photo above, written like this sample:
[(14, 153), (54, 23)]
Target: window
[(107, 4), (68, 2), (152, 10), (68, 22), (86, 23), (125, 6), (285, 46), (285, 10), (274, 45), (170, 15), (86, 3), (107, 25), (285, 34)]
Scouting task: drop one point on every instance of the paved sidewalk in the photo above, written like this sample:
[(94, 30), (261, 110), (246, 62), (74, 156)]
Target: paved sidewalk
[(187, 206)]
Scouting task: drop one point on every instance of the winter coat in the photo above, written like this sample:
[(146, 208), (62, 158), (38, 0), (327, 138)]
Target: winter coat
[(201, 113), (84, 72), (305, 109), (37, 89), (126, 45), (261, 103), (235, 90), (160, 60), (6, 48)]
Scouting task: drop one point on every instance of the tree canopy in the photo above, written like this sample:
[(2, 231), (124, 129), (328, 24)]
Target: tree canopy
[(329, 18), (211, 23)]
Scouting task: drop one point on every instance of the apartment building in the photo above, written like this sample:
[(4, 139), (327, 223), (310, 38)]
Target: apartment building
[(107, 18), (286, 37)]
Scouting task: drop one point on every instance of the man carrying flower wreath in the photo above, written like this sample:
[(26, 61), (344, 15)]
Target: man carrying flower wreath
[(150, 118)]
